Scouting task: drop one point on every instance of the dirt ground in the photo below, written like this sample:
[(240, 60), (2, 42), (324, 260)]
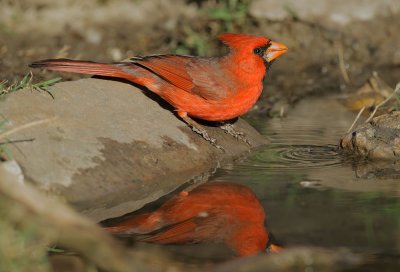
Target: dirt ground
[(112, 30)]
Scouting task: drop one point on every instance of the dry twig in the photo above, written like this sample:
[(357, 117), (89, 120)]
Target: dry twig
[(396, 90), (355, 120), (25, 126), (342, 64)]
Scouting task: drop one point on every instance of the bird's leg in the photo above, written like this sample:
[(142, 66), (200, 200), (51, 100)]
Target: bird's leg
[(196, 127), (230, 129)]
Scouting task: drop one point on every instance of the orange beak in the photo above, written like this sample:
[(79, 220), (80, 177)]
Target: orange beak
[(274, 51), (275, 248)]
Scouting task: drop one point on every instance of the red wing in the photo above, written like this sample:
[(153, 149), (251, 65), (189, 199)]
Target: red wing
[(205, 227), (202, 77), (210, 80), (176, 234)]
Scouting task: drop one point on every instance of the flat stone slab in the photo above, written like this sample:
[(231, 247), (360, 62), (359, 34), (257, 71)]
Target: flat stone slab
[(108, 147), (378, 139)]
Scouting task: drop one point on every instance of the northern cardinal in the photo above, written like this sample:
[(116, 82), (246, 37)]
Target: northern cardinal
[(212, 89), (213, 212)]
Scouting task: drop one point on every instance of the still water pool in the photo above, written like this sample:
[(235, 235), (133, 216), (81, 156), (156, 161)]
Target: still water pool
[(313, 194)]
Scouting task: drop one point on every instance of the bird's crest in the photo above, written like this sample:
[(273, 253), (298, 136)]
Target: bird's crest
[(235, 41)]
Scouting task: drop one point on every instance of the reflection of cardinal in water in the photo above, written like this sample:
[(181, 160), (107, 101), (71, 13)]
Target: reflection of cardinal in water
[(213, 212)]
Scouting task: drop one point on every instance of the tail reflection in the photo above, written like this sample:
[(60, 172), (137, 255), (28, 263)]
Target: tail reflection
[(213, 212)]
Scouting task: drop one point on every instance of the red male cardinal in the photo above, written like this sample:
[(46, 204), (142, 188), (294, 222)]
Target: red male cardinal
[(213, 212), (212, 89)]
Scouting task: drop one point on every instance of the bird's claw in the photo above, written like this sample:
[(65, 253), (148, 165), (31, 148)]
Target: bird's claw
[(239, 135), (199, 130), (205, 135)]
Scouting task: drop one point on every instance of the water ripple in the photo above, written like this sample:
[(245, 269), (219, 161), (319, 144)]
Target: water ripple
[(296, 157)]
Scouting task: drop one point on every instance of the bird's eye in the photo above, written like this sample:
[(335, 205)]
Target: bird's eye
[(257, 50)]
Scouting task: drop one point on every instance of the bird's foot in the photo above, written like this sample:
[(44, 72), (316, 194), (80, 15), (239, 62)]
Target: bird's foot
[(196, 127), (204, 134), (239, 135)]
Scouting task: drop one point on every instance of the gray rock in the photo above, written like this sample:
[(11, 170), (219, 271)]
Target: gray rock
[(378, 139), (107, 148)]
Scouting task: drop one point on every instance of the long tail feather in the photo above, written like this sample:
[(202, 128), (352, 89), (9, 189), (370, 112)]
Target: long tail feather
[(83, 67), (139, 224), (126, 70)]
